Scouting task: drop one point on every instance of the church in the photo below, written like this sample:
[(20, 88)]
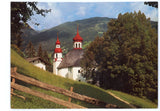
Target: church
[(69, 66)]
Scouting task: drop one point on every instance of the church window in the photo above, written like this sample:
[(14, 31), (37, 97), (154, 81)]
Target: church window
[(76, 45), (79, 45), (79, 71), (56, 55)]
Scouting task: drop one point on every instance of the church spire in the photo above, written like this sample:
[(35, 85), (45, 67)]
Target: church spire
[(77, 40), (57, 42), (58, 47), (57, 58)]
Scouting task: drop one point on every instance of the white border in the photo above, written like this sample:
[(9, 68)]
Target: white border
[(5, 55)]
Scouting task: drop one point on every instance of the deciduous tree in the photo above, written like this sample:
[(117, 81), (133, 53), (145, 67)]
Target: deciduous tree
[(21, 12), (126, 56)]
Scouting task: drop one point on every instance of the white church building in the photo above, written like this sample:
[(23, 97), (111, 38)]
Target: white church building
[(69, 66)]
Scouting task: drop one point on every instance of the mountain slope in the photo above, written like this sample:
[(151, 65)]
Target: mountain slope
[(88, 29), (82, 88)]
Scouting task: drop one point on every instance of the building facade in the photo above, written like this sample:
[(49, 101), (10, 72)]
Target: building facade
[(38, 62), (69, 66)]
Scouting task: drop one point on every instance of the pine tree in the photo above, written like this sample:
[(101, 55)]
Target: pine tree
[(30, 51), (45, 56), (40, 51)]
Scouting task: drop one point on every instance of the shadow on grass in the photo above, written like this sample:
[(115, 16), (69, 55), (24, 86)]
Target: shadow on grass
[(95, 92)]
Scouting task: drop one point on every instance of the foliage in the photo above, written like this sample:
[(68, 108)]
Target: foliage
[(45, 56), (20, 14), (85, 44), (49, 66), (126, 56), (30, 50), (40, 51), (153, 4)]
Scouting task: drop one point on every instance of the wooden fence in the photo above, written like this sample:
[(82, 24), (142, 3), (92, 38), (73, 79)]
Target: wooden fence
[(71, 94)]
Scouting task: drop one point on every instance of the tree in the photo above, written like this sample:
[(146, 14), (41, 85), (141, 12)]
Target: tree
[(126, 57), (20, 14), (153, 4), (45, 56), (30, 51), (40, 51)]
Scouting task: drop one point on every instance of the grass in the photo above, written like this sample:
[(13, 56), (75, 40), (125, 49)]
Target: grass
[(28, 69), (136, 101)]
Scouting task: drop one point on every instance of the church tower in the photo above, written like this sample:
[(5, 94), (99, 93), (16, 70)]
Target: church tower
[(77, 41), (57, 58)]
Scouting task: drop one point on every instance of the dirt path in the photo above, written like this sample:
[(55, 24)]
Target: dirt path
[(120, 99)]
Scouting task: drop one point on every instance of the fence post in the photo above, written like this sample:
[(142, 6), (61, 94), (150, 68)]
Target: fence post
[(13, 79), (71, 89)]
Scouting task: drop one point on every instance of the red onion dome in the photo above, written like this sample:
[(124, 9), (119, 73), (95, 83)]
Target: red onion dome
[(78, 37), (57, 50), (58, 42)]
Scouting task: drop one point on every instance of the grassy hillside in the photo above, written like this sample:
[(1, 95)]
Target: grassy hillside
[(82, 88), (136, 101)]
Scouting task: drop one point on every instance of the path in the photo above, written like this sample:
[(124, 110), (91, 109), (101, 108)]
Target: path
[(120, 99)]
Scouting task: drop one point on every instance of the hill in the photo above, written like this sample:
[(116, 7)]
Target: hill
[(88, 29), (28, 69)]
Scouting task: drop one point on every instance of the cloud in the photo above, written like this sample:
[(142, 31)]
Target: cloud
[(81, 11), (51, 19), (71, 11), (149, 11)]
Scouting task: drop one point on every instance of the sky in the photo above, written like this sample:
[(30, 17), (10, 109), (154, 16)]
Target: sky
[(71, 11)]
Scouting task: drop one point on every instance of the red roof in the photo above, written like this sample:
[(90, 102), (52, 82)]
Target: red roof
[(57, 50), (78, 37), (58, 42)]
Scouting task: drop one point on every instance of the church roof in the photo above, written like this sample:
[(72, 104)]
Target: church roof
[(77, 37), (36, 58), (58, 42), (57, 50), (72, 59)]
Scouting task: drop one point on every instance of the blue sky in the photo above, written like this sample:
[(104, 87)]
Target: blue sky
[(70, 11)]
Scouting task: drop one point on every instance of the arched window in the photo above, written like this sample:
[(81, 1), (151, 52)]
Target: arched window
[(76, 45), (79, 45), (56, 55)]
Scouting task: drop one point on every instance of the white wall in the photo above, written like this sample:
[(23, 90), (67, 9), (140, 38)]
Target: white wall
[(55, 65), (63, 72), (76, 75), (58, 54), (71, 73), (39, 64), (74, 45), (57, 62)]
